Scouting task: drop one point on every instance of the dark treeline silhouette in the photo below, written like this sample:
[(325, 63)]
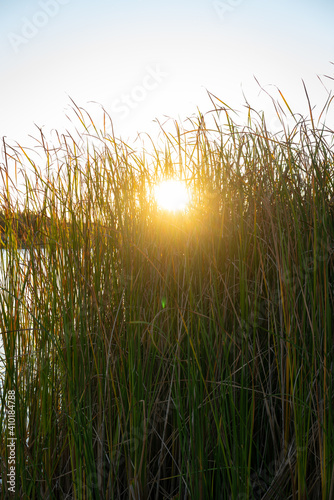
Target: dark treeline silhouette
[(27, 227)]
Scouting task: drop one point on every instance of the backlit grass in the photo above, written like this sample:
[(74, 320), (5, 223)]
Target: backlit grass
[(159, 354)]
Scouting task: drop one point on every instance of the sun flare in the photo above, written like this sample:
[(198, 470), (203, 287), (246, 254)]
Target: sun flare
[(172, 195)]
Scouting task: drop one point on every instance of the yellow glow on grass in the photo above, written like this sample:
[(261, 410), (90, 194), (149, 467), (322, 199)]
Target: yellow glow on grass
[(172, 195)]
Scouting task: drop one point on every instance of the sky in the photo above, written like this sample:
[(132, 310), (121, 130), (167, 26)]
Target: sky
[(145, 60)]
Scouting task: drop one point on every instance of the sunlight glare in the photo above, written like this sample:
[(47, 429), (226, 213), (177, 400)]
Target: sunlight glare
[(172, 195)]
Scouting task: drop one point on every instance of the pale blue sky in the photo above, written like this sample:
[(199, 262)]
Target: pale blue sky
[(145, 59)]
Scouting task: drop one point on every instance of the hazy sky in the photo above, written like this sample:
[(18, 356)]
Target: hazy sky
[(145, 59)]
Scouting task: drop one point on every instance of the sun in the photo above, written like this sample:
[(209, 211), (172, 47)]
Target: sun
[(172, 195)]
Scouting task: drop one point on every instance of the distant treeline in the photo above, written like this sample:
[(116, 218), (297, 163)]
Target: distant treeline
[(24, 226), (28, 228)]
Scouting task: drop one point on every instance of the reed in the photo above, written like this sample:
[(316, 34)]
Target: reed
[(157, 355)]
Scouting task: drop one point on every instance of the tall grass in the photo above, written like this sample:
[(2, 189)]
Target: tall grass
[(158, 355)]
